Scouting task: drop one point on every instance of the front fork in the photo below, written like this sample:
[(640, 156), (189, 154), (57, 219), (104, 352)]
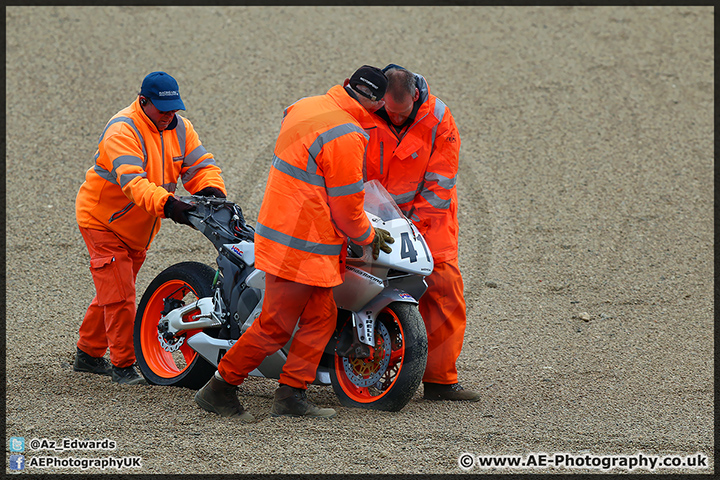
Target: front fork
[(363, 322)]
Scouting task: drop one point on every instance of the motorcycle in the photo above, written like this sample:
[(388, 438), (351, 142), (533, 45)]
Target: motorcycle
[(190, 315)]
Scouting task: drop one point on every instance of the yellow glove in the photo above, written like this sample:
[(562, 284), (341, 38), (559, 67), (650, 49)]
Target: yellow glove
[(380, 242)]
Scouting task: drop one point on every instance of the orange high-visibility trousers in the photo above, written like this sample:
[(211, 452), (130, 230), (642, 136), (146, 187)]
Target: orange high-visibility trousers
[(284, 303), (110, 317), (442, 307)]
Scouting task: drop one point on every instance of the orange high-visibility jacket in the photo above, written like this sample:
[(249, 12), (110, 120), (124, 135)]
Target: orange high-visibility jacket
[(136, 169), (314, 195), (419, 170)]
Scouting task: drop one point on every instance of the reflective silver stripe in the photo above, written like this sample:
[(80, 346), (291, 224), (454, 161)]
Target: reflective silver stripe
[(127, 177), (170, 187), (181, 134), (127, 160), (364, 169), (118, 162), (439, 114), (439, 109), (310, 175), (364, 236), (328, 136), (187, 176), (297, 173), (346, 189), (403, 197), (297, 243), (194, 156), (432, 141), (434, 200), (382, 152), (132, 124), (104, 174), (444, 182)]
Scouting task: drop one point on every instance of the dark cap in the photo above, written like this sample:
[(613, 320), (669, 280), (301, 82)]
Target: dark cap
[(163, 91), (371, 77)]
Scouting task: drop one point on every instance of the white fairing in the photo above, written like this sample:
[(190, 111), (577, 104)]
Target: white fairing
[(256, 280), (409, 253), (358, 288), (244, 250)]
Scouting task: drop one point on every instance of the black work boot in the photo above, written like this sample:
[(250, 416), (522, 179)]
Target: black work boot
[(293, 402), (454, 391), (86, 363), (220, 397), (127, 376)]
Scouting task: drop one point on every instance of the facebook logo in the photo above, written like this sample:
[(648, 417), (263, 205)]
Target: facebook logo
[(17, 462), (17, 444)]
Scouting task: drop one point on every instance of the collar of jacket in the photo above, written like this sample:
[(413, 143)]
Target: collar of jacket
[(348, 103), (140, 113), (422, 87)]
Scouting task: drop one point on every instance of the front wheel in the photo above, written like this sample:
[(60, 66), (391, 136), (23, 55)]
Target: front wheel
[(388, 379), (163, 359)]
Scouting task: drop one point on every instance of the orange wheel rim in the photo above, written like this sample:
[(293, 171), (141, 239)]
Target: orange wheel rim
[(163, 363), (366, 370)]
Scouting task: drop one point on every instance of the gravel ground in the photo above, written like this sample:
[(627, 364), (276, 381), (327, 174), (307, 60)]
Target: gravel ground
[(586, 185)]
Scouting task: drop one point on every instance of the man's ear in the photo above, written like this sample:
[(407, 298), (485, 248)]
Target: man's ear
[(417, 95)]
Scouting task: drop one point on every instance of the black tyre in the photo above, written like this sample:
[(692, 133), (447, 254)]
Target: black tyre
[(172, 362), (389, 379)]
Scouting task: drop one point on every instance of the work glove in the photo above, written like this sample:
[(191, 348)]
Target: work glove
[(177, 210), (380, 242), (210, 192)]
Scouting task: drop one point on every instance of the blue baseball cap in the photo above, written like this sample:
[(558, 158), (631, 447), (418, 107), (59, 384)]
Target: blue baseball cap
[(163, 91)]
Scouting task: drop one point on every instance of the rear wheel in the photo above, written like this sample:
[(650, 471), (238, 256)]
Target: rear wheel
[(163, 359), (388, 379)]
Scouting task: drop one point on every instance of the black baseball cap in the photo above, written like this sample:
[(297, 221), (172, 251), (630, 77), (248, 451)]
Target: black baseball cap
[(371, 77)]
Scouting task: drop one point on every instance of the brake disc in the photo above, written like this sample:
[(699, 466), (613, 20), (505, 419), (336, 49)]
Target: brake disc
[(170, 347)]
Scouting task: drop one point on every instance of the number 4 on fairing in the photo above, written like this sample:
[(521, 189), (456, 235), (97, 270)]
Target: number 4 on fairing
[(406, 249)]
